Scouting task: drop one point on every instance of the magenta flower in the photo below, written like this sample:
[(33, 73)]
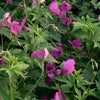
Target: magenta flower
[(35, 2), (66, 34), (54, 8), (66, 21), (65, 6), (23, 25), (60, 44), (57, 53), (57, 72), (49, 80), (38, 54), (50, 67), (76, 44), (19, 6), (15, 28), (41, 54), (69, 66), (1, 61), (9, 2), (59, 96), (55, 23), (62, 14), (6, 21)]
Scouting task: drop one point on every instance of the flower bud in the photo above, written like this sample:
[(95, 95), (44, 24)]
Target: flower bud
[(6, 15)]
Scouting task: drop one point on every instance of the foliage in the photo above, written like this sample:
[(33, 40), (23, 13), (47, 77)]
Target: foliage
[(25, 70)]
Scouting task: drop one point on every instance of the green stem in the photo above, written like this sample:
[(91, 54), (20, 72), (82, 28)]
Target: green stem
[(2, 41), (11, 90), (35, 85)]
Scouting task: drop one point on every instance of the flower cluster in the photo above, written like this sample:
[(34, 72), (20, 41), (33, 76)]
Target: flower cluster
[(14, 25), (67, 68), (61, 14)]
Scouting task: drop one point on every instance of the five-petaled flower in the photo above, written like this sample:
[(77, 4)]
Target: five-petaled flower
[(54, 8), (15, 28), (76, 44), (66, 21), (69, 66), (65, 6), (9, 2)]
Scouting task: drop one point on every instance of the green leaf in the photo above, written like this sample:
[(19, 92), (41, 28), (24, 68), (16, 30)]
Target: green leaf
[(51, 59)]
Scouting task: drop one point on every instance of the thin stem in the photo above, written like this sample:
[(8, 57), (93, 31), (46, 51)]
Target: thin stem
[(2, 41), (11, 90), (35, 85)]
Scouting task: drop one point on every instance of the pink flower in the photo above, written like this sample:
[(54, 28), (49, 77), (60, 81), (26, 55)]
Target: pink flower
[(54, 8), (66, 21), (35, 2), (62, 14), (1, 61), (6, 21), (65, 6), (9, 2), (38, 54), (23, 25), (50, 67), (46, 55), (59, 96), (15, 28), (76, 44), (98, 19), (57, 53), (69, 66), (41, 54), (19, 6)]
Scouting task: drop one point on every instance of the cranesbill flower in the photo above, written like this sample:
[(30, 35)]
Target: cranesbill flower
[(62, 14), (1, 61), (50, 67), (23, 25), (57, 53), (41, 54), (9, 2), (65, 6), (15, 28), (19, 6), (49, 80), (6, 21), (57, 72), (38, 54), (76, 44), (69, 66), (35, 2), (54, 8), (66, 21), (59, 96)]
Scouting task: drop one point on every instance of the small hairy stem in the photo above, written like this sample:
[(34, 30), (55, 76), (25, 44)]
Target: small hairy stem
[(11, 90)]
